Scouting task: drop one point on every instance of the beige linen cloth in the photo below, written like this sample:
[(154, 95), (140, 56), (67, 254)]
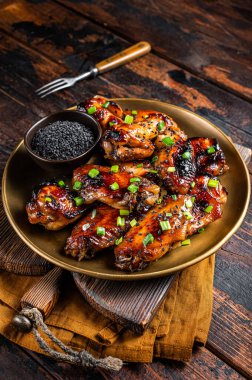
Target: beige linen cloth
[(182, 320)]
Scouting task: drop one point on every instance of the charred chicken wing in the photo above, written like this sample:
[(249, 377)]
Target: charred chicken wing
[(170, 223), (115, 188), (98, 230), (53, 207)]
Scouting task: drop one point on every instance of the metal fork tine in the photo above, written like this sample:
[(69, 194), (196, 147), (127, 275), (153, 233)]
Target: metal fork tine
[(54, 90), (50, 84), (51, 87)]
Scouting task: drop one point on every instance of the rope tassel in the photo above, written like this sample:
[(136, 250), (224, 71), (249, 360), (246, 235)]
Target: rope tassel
[(82, 358)]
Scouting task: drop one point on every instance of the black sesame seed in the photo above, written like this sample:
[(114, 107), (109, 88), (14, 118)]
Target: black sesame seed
[(62, 140)]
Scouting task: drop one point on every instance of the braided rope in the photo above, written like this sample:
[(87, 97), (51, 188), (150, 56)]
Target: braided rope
[(82, 358)]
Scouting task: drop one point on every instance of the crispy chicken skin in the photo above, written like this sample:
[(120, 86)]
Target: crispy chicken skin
[(186, 219), (99, 188), (53, 207), (186, 168), (84, 241)]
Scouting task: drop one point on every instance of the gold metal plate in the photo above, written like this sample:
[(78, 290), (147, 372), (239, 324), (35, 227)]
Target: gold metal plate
[(21, 174)]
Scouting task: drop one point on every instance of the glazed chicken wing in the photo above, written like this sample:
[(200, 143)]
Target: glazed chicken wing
[(119, 190), (53, 207), (170, 223), (86, 238), (178, 164)]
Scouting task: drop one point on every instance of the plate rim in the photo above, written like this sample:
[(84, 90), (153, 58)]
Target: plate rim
[(137, 275)]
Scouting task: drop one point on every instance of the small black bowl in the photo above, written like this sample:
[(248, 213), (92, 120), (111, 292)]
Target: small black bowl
[(63, 166)]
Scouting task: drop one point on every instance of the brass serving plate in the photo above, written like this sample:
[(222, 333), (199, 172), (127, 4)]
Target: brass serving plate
[(21, 174)]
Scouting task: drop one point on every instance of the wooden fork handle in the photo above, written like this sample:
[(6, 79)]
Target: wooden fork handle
[(123, 57), (43, 296)]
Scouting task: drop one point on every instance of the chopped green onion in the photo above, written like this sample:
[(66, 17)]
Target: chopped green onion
[(93, 173), (171, 169), (114, 168), (165, 225), (161, 125), (105, 105), (120, 221), (211, 150), (139, 165), (188, 203), (159, 201), (78, 201), (91, 110), (186, 155), (85, 227), (61, 183), (133, 188), (119, 241), (188, 215), (208, 209), (124, 212), (128, 119), (193, 200), (186, 242), (114, 186), (135, 179), (133, 222), (174, 197), (193, 184), (213, 183), (168, 214), (146, 116), (48, 199), (153, 171), (168, 141), (111, 123), (93, 214), (100, 231), (149, 238), (77, 185), (154, 159), (200, 230), (134, 112)]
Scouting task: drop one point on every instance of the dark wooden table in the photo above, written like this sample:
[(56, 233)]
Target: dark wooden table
[(201, 60)]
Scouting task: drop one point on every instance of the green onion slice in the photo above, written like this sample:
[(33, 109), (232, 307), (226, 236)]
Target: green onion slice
[(77, 185), (189, 203), (174, 197), (124, 212), (193, 184), (213, 183), (78, 201), (186, 242), (211, 150), (93, 214), (186, 155), (105, 105), (111, 123), (128, 119), (133, 222), (100, 231), (208, 209), (188, 215), (133, 188), (114, 186), (168, 141), (119, 241), (149, 238), (200, 230), (135, 179), (134, 112), (93, 173), (154, 159), (91, 110), (161, 125), (165, 225), (171, 169), (139, 165), (153, 171), (48, 199), (120, 221), (61, 183), (168, 214), (114, 168)]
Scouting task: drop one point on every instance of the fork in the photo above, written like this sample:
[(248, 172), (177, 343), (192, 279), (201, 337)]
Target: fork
[(107, 64)]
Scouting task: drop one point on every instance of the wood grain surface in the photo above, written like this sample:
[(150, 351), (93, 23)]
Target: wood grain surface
[(201, 60)]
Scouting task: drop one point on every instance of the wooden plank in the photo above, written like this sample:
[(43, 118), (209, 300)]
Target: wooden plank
[(212, 39), (161, 80)]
